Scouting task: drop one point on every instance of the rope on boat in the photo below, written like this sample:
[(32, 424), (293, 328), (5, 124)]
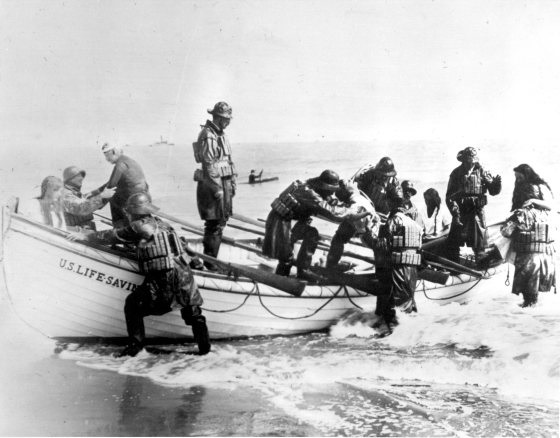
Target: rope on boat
[(255, 288), (300, 317), (350, 299), (453, 296), (507, 283)]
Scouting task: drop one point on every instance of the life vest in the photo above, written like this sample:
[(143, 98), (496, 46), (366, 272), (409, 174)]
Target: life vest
[(405, 243), (535, 240), (223, 167), (157, 252), (472, 184), (285, 204)]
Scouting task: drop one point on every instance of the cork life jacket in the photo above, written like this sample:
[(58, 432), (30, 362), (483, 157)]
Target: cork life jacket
[(534, 240), (156, 252), (223, 164), (472, 184), (405, 242), (286, 203)]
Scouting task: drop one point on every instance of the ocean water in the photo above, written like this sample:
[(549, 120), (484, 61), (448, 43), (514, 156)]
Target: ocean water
[(485, 368)]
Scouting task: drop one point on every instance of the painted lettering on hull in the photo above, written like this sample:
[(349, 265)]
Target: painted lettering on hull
[(95, 275)]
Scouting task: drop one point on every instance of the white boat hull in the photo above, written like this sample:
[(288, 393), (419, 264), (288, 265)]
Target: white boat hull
[(67, 289)]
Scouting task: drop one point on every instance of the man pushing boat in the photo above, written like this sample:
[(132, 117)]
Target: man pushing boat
[(299, 201), (168, 281)]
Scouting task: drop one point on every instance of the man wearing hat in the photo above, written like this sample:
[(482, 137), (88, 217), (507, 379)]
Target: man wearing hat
[(216, 178), (380, 184), (168, 281), (410, 209), (127, 178), (299, 202), (466, 198), (78, 208)]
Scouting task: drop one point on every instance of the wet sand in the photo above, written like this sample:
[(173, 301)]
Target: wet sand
[(56, 397)]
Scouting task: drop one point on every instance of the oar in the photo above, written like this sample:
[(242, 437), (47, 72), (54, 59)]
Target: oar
[(452, 265), (366, 283), (287, 284)]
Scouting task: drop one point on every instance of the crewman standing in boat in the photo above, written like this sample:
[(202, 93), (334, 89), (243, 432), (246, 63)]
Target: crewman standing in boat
[(168, 281), (78, 208), (127, 177), (380, 184), (466, 199), (397, 257), (299, 202), (216, 178)]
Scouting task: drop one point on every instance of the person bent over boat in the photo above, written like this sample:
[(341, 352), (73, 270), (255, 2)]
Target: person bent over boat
[(397, 257), (380, 184), (299, 202), (216, 178), (466, 199), (78, 208), (127, 178), (365, 228), (532, 228), (168, 281)]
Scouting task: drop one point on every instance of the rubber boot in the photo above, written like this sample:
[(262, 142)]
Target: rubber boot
[(131, 349), (201, 336), (283, 268), (529, 299)]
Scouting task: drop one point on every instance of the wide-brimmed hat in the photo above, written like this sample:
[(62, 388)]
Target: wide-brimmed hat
[(467, 152), (408, 186), (71, 172), (385, 167), (221, 109)]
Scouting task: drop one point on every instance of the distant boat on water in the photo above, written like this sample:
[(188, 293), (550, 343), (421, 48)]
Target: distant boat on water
[(162, 142)]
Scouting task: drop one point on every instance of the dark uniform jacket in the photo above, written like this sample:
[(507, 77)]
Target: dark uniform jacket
[(217, 178), (128, 178), (463, 202), (176, 284), (310, 203), (379, 194)]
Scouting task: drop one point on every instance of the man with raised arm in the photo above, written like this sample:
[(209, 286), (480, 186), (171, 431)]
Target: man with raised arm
[(466, 199), (78, 208)]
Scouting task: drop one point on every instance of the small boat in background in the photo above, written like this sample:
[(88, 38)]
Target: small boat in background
[(162, 142), (262, 180)]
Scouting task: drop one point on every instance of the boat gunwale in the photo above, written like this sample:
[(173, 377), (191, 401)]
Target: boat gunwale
[(209, 275)]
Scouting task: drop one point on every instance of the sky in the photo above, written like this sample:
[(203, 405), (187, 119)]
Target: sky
[(82, 72)]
